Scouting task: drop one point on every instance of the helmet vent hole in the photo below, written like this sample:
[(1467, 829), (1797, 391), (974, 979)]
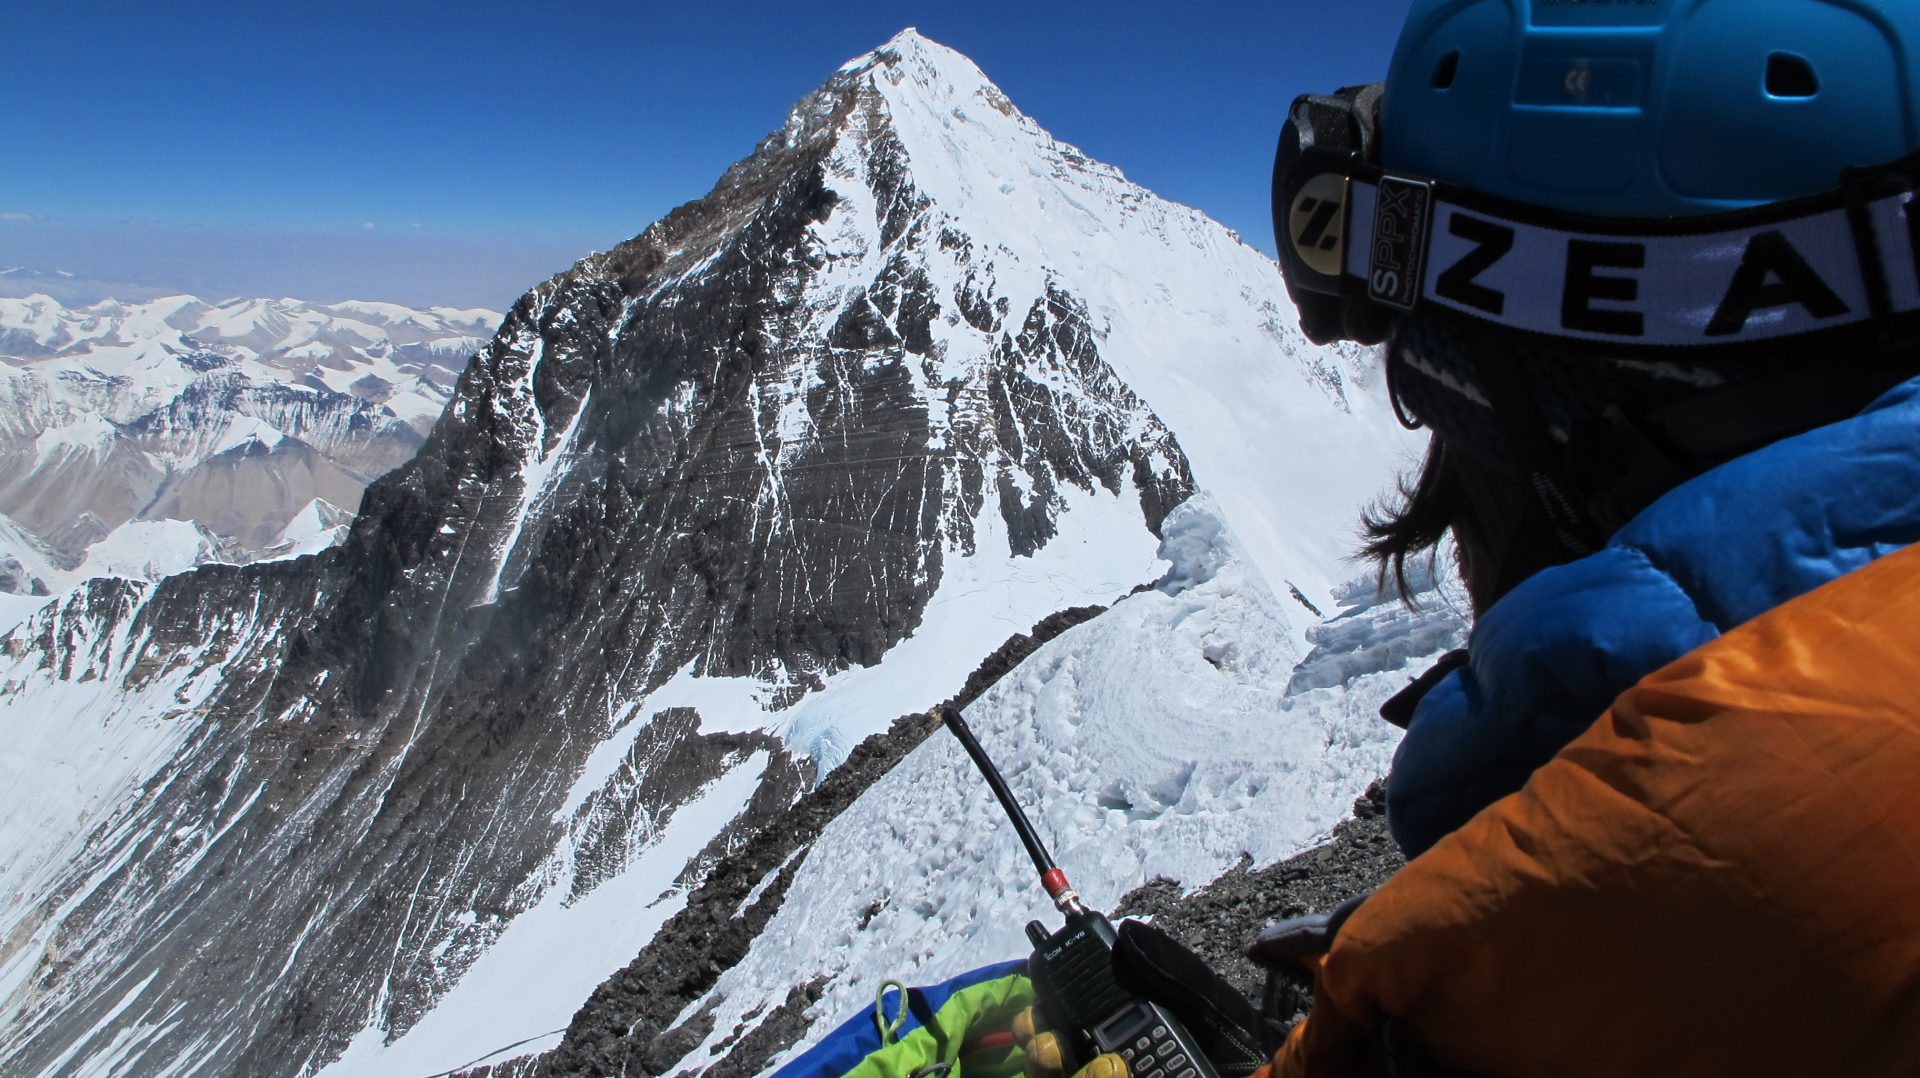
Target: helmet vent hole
[(1446, 69), (1791, 76)]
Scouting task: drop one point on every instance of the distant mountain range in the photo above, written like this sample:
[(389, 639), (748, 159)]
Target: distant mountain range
[(71, 288), (235, 430)]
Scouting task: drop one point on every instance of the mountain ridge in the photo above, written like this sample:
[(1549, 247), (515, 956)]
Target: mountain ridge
[(723, 500)]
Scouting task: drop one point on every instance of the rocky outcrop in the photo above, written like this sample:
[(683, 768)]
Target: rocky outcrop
[(1217, 921)]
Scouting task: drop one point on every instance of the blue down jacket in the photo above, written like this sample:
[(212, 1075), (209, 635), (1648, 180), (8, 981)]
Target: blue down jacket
[(1549, 658)]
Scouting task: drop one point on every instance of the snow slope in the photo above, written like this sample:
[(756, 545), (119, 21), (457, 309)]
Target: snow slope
[(138, 550), (314, 528), (1159, 739), (529, 983), (69, 759), (150, 550), (1101, 553), (27, 567)]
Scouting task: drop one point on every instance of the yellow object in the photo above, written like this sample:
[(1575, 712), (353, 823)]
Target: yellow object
[(1025, 1025), (1106, 1066), (934, 1048), (1044, 1058)]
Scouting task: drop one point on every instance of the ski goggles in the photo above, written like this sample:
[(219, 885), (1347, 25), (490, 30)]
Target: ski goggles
[(1362, 246)]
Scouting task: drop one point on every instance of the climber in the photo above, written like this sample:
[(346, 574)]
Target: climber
[(1650, 273)]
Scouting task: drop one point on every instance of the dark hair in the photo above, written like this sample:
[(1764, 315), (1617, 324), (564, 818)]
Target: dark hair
[(1606, 435), (1413, 520), (1498, 533)]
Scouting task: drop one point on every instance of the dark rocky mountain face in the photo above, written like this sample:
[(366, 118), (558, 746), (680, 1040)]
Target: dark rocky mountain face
[(732, 447)]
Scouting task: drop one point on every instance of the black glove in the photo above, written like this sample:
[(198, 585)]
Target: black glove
[(1150, 963)]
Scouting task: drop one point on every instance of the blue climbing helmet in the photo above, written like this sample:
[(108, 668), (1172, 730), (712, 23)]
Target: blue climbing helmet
[(1649, 108), (1523, 154), (1611, 243)]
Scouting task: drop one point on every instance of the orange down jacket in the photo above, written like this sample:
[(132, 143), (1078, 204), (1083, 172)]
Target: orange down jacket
[(1720, 876)]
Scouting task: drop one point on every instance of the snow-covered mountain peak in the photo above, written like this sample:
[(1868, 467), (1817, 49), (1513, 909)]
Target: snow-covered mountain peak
[(930, 163), (813, 452), (38, 327), (942, 106), (932, 70)]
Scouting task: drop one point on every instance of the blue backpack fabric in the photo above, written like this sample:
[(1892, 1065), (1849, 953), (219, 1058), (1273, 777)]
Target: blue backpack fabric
[(924, 1032), (1548, 659)]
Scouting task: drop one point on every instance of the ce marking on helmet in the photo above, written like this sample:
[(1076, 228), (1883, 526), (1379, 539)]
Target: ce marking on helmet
[(1578, 82), (1319, 220)]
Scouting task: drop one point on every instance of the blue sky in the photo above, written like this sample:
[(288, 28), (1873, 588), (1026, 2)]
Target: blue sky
[(457, 153)]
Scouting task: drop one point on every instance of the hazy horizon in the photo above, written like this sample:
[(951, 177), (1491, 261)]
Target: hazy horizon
[(409, 154), (83, 264)]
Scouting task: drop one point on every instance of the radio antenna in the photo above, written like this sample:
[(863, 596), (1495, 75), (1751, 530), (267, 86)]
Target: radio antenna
[(1051, 877)]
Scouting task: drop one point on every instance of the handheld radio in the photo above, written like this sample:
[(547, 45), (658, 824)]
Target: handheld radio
[(1072, 969)]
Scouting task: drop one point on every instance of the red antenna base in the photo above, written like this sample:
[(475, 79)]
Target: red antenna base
[(1055, 881)]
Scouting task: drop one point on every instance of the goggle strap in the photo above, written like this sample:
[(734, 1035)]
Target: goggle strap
[(1773, 272)]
